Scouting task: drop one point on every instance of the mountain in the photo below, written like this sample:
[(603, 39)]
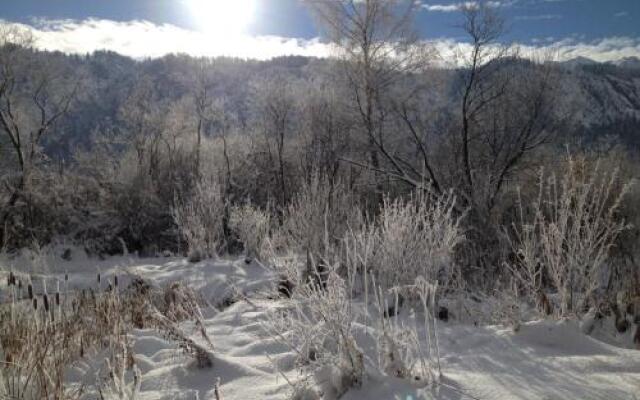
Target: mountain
[(606, 95), (631, 62), (628, 62), (578, 62)]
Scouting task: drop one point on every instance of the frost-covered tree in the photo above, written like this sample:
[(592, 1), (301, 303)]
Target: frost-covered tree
[(34, 96), (377, 46)]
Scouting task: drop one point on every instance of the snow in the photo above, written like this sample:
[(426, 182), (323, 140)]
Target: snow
[(542, 360)]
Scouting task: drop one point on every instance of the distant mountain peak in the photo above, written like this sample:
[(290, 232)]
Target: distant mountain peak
[(579, 61), (625, 62), (628, 62)]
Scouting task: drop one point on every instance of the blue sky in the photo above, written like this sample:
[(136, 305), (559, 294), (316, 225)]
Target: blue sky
[(536, 19), (597, 28)]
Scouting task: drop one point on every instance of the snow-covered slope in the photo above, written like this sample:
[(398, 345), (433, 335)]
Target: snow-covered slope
[(607, 94), (628, 62), (543, 360)]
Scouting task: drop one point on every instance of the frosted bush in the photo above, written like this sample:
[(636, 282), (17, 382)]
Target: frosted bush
[(408, 348), (252, 226), (319, 216), (406, 250), (199, 219), (318, 328), (573, 228), (416, 238)]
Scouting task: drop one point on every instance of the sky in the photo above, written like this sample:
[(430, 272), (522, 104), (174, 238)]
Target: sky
[(603, 30)]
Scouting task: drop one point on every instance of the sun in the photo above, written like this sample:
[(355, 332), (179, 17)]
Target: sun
[(222, 17)]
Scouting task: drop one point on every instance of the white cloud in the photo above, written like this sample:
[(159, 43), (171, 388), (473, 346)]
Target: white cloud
[(458, 6), (141, 39), (607, 49), (442, 7)]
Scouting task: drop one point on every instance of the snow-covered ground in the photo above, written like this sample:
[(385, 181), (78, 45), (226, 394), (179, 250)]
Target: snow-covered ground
[(543, 360)]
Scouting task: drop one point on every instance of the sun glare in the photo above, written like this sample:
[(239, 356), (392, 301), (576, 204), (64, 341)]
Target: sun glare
[(222, 17)]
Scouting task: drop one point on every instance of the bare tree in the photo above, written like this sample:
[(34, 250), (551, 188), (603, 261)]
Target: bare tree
[(377, 46), (212, 115), (484, 26), (33, 97), (276, 105), (506, 110), (327, 128), (203, 101), (144, 117)]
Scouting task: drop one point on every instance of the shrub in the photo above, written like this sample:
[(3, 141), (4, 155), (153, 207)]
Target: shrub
[(402, 351), (416, 238), (319, 216), (573, 226), (199, 219), (405, 250), (319, 328), (252, 226)]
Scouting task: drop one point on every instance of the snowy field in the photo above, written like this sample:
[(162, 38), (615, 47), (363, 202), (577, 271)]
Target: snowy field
[(543, 360)]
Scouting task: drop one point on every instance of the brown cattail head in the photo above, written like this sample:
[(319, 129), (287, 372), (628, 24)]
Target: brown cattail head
[(66, 277), (11, 280), (45, 301), (98, 278), (115, 280), (35, 304), (19, 284), (57, 299), (30, 290)]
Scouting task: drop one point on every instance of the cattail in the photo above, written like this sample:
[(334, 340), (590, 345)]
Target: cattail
[(45, 301), (11, 280), (66, 277), (115, 280), (98, 278), (35, 304), (57, 299), (30, 290), (19, 284)]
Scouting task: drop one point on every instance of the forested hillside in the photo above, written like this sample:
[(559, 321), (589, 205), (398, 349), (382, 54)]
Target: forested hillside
[(606, 96)]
